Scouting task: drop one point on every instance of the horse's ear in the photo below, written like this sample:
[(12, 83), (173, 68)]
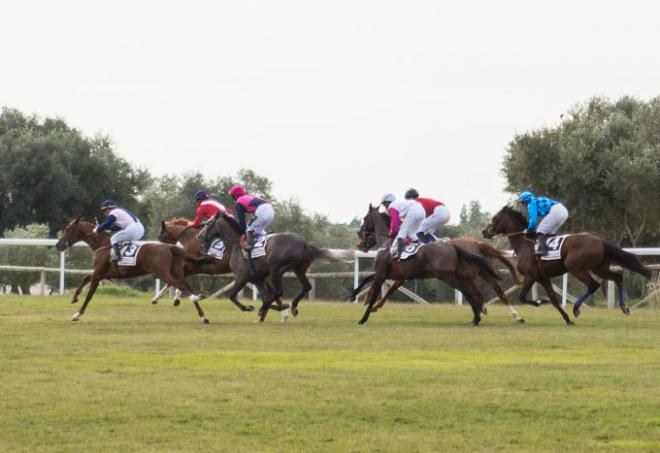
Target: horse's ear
[(78, 219), (370, 207)]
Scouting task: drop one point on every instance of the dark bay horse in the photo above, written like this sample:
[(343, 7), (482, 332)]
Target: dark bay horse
[(580, 254), (375, 228), (161, 260), (177, 230), (448, 263), (284, 252)]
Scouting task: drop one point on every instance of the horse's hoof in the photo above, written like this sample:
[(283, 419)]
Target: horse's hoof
[(576, 312), (247, 308), (520, 321), (484, 310), (625, 310), (176, 303), (154, 302), (201, 296), (361, 322), (374, 310), (205, 320), (570, 323), (74, 301), (475, 323), (75, 317), (294, 311)]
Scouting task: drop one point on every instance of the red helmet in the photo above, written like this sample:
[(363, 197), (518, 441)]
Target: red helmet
[(237, 191)]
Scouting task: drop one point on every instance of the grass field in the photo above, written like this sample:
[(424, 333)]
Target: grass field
[(131, 376)]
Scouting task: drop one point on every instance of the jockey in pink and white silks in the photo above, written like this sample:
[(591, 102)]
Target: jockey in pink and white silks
[(436, 212), (261, 210), (405, 218), (128, 226)]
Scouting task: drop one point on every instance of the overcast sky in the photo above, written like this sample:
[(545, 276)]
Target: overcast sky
[(336, 102)]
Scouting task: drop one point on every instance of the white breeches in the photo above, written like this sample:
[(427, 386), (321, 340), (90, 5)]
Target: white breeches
[(133, 232), (262, 217), (439, 217), (411, 222), (553, 220)]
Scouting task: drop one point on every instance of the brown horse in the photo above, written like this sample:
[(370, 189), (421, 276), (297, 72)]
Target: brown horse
[(375, 225), (448, 263), (284, 252), (161, 260), (580, 254), (176, 231)]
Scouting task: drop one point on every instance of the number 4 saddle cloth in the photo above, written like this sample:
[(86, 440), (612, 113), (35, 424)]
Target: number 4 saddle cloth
[(554, 244)]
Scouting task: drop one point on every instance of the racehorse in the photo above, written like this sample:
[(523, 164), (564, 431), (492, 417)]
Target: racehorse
[(284, 252), (580, 254), (161, 260), (176, 231), (375, 229), (448, 263)]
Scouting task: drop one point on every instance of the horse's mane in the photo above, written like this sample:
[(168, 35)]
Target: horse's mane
[(386, 218), (232, 222), (515, 214), (182, 221)]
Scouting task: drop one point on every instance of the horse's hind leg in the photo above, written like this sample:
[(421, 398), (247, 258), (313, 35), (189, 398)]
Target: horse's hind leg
[(306, 288), (92, 289), (82, 284), (159, 296), (474, 297), (547, 285), (397, 284), (500, 293), (603, 271), (592, 286), (371, 298)]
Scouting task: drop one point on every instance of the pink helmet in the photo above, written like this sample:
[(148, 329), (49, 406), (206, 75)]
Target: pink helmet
[(237, 191)]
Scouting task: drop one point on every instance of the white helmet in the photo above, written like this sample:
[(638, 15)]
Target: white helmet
[(388, 198)]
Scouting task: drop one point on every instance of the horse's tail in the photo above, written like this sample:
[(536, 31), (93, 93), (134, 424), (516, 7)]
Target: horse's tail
[(491, 252), (313, 252), (181, 253), (625, 259), (476, 260)]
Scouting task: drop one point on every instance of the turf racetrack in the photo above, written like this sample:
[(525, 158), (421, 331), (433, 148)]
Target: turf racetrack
[(132, 376)]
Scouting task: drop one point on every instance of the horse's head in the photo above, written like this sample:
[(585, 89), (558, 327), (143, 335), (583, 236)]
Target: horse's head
[(506, 221), (75, 231), (373, 230)]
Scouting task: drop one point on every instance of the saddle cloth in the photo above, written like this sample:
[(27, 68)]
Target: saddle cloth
[(554, 244), (216, 249), (409, 249), (259, 248), (129, 253)]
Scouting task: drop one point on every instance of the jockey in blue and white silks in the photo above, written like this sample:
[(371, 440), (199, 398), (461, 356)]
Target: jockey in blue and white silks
[(552, 213), (128, 226)]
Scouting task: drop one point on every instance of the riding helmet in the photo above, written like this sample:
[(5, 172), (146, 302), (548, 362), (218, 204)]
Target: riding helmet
[(411, 194)]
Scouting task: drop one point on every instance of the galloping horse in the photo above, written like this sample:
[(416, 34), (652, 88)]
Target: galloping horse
[(161, 260), (284, 252), (448, 263), (374, 231), (177, 230), (580, 254)]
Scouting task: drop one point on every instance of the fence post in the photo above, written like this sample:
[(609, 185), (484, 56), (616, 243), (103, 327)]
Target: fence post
[(458, 297), (42, 283), (62, 260), (356, 271), (610, 294), (564, 290), (535, 291), (157, 286), (312, 292)]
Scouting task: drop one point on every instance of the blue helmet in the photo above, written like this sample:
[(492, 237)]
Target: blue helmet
[(201, 195), (108, 204), (525, 196)]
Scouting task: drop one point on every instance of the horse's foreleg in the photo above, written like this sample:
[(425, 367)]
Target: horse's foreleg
[(391, 290), (592, 286), (524, 290), (474, 298), (547, 285), (500, 293), (371, 298), (267, 298), (239, 284), (82, 284), (186, 291), (361, 285), (92, 289), (306, 288)]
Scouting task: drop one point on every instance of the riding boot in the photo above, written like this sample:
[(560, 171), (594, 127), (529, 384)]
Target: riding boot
[(399, 247), (249, 235), (116, 252), (204, 241), (421, 237), (542, 248)]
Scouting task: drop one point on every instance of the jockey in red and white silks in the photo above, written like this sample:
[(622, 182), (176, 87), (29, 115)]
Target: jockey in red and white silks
[(207, 208), (437, 214), (406, 217)]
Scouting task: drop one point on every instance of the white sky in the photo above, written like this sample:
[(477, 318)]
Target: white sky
[(336, 102)]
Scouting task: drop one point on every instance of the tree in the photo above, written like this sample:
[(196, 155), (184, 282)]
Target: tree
[(603, 163)]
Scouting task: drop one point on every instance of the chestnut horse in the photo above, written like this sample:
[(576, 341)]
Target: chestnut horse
[(580, 254), (284, 252), (448, 263), (375, 231), (177, 230), (161, 260)]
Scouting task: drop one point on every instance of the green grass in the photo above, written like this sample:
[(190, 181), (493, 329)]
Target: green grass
[(132, 376)]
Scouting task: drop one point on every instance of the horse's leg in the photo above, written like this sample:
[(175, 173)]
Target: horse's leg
[(306, 288), (361, 285), (239, 284), (267, 297), (186, 291), (607, 274), (159, 296), (177, 297), (92, 289), (275, 292), (592, 286), (84, 281), (524, 290), (371, 298), (474, 298), (500, 293), (397, 284), (547, 285)]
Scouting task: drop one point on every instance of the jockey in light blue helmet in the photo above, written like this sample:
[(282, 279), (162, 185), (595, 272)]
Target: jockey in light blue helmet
[(552, 215)]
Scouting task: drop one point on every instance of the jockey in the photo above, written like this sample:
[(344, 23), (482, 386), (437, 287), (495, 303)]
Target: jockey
[(261, 210), (436, 214), (207, 208), (412, 214), (128, 226), (552, 213)]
